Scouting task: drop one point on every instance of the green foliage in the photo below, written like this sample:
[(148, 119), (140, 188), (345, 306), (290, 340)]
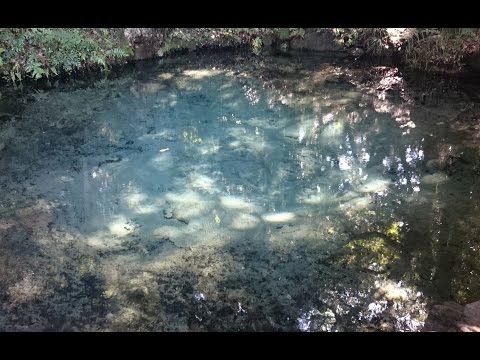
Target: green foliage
[(280, 35), (294, 32), (283, 34), (438, 48), (375, 41), (257, 44), (345, 36), (426, 49), (195, 38), (38, 53)]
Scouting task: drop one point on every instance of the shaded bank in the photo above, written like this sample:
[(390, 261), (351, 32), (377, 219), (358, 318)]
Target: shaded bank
[(50, 53)]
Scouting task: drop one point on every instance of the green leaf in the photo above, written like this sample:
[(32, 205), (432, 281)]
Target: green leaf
[(39, 72), (284, 33), (257, 44)]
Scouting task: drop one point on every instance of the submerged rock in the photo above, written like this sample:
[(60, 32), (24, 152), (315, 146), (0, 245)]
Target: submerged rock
[(168, 213), (453, 317)]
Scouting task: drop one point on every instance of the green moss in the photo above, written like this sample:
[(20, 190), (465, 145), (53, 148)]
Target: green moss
[(393, 232), (364, 252)]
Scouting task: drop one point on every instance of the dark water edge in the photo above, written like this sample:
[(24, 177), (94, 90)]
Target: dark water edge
[(418, 80)]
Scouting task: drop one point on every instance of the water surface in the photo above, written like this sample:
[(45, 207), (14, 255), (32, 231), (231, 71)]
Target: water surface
[(228, 194)]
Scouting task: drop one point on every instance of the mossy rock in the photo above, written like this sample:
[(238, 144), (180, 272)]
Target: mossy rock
[(364, 253)]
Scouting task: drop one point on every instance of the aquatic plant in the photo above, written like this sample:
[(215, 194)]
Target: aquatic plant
[(369, 250)]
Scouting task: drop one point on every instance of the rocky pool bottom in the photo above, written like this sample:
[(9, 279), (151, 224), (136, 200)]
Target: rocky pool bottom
[(224, 193)]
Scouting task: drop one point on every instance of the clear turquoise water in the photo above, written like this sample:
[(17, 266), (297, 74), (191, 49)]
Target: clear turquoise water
[(227, 195)]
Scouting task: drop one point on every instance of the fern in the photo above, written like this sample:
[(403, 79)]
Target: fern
[(41, 53)]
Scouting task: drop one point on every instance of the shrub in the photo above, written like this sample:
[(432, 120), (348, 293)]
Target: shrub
[(37, 53), (438, 48)]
